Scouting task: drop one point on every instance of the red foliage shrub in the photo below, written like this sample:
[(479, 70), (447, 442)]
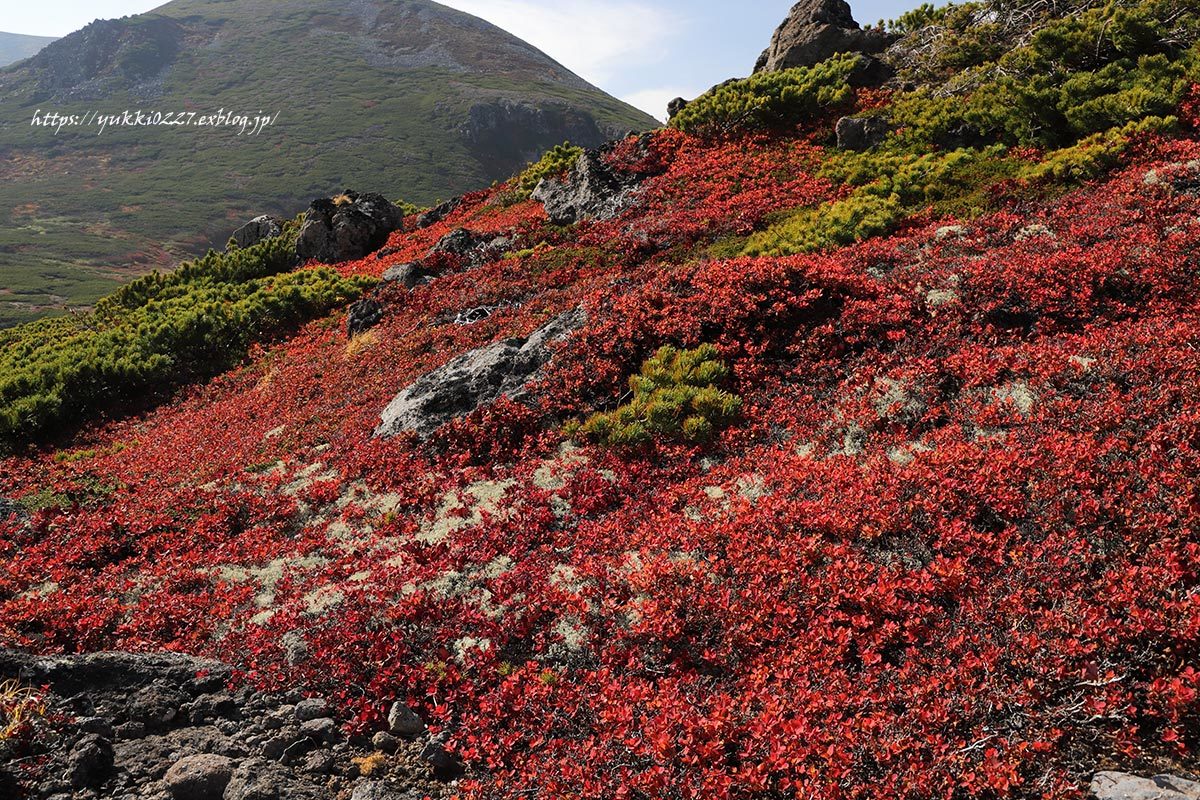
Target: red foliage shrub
[(952, 550)]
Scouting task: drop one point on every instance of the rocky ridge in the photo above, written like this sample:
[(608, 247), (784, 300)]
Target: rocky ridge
[(167, 726)]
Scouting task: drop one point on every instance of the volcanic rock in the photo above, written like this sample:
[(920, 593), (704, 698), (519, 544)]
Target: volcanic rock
[(474, 379), (347, 227), (816, 30)]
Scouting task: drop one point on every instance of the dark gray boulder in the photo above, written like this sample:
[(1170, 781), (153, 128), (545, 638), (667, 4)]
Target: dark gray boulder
[(410, 275), (816, 30), (438, 213), (675, 106), (474, 379), (362, 316), (862, 133), (347, 227), (90, 761), (458, 242), (259, 229)]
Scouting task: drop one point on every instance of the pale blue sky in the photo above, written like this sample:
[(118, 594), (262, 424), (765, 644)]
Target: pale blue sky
[(643, 51)]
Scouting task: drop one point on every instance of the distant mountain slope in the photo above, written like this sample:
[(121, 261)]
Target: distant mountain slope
[(17, 46), (403, 96)]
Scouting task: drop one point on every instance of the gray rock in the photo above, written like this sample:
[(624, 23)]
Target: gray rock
[(403, 721), (259, 229), (362, 316), (862, 133), (459, 242), (97, 725), (1121, 786), (378, 790), (312, 708), (257, 779), (297, 750), (157, 707), (130, 731), (816, 30), (346, 228), (474, 379), (438, 213), (199, 777), (444, 763), (410, 275), (591, 190), (319, 763), (323, 730), (384, 742), (90, 761)]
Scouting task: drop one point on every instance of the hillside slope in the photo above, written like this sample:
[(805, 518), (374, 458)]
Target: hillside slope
[(719, 462), (16, 46), (404, 95)]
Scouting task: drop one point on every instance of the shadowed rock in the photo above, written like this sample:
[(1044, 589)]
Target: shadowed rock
[(474, 379), (346, 228), (862, 133), (816, 30)]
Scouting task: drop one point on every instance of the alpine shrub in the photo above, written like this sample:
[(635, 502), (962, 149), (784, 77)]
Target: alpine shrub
[(676, 395), (771, 99)]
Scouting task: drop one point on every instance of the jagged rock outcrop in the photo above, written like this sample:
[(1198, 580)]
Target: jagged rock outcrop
[(106, 56), (347, 227), (675, 106), (257, 230), (166, 727), (475, 379), (591, 190), (815, 30)]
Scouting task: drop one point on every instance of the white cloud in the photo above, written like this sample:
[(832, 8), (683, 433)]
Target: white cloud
[(597, 39), (654, 101)]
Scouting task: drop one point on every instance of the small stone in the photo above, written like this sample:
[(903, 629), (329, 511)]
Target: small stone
[(403, 721), (444, 763), (130, 731), (199, 777), (378, 790), (90, 761), (297, 750), (155, 706), (257, 780), (313, 708), (319, 763), (384, 742), (97, 725), (273, 749), (322, 730)]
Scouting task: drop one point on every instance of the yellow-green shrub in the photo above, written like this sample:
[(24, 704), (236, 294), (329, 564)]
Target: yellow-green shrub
[(677, 395), (770, 99)]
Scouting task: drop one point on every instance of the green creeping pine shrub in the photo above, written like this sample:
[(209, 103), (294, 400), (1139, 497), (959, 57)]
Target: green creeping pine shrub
[(676, 395), (154, 335), (770, 99)]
